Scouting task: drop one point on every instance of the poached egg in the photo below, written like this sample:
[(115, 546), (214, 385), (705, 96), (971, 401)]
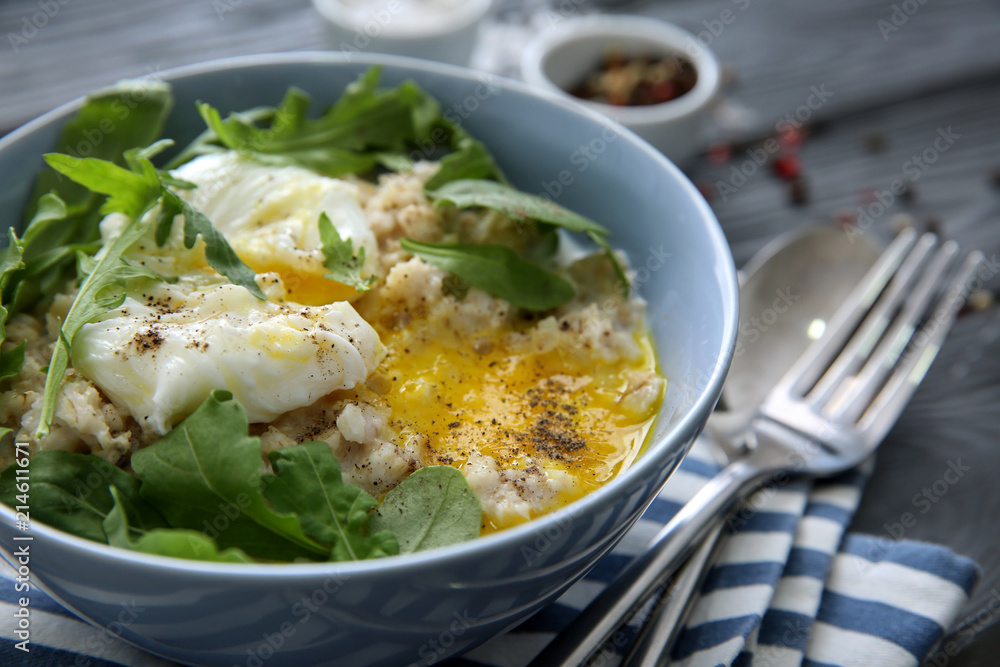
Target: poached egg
[(170, 344)]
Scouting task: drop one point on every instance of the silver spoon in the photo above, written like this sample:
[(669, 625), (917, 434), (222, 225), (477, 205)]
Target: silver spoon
[(806, 274)]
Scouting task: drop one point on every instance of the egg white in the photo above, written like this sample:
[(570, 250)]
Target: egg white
[(170, 344), (270, 214)]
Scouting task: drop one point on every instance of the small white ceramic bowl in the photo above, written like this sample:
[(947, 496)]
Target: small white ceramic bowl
[(561, 57), (441, 30)]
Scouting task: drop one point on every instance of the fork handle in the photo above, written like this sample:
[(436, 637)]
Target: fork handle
[(660, 631), (651, 569)]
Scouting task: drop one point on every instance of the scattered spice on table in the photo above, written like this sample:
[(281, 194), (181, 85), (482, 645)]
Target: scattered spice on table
[(908, 194), (876, 142), (719, 153), (798, 192), (788, 167)]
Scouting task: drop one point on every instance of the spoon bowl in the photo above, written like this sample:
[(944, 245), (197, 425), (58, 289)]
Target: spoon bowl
[(788, 292)]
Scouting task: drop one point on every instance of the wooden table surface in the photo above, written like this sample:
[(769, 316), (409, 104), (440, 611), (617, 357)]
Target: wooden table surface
[(887, 78)]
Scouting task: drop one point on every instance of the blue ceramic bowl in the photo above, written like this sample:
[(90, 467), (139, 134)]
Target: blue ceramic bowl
[(426, 607)]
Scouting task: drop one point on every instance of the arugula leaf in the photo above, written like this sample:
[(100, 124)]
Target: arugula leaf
[(207, 142), (468, 193), (10, 360), (470, 161), (219, 254), (174, 542), (16, 290), (71, 492), (135, 192), (111, 120), (49, 210), (12, 259), (103, 290), (205, 475), (497, 270), (129, 192), (63, 215), (367, 126), (433, 507), (44, 272), (397, 162), (170, 208), (309, 485), (602, 242), (134, 156), (519, 205), (342, 264)]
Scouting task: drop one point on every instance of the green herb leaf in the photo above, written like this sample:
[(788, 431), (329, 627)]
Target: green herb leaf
[(170, 208), (12, 259), (131, 193), (207, 142), (205, 475), (341, 263), (134, 192), (332, 162), (366, 127), (64, 215), (49, 210), (397, 162), (135, 156), (497, 270), (71, 492), (470, 161), (308, 484), (11, 360), (519, 205), (219, 254), (47, 261), (609, 252), (103, 290), (433, 507), (111, 121), (523, 206), (128, 192), (174, 542)]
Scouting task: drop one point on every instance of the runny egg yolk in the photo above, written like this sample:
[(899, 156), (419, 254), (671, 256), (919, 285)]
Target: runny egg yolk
[(567, 414), (308, 289)]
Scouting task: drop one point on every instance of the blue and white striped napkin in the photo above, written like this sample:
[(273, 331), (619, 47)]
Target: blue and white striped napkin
[(787, 588)]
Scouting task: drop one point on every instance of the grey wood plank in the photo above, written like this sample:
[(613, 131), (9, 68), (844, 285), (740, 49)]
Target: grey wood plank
[(840, 171), (778, 47)]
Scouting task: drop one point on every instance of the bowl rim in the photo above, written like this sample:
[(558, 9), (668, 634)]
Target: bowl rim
[(465, 15), (556, 520), (622, 27)]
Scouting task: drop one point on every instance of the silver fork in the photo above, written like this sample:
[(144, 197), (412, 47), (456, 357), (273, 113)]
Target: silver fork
[(827, 415)]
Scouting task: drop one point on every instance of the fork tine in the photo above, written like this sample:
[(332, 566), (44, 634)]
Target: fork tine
[(889, 403), (868, 334), (802, 376), (876, 369)]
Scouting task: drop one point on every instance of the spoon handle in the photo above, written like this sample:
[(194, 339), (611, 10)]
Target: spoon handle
[(660, 631), (649, 571)]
